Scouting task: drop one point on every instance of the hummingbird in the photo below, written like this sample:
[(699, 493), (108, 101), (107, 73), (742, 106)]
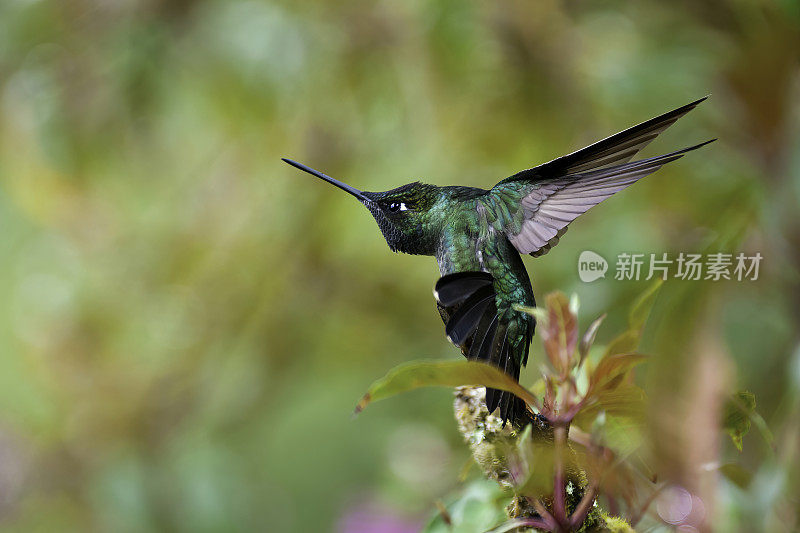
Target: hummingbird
[(479, 235)]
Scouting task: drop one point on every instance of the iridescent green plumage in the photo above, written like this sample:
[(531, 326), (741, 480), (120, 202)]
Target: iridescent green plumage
[(477, 237)]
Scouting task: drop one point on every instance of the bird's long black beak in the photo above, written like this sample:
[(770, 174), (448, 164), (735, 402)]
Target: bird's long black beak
[(345, 187)]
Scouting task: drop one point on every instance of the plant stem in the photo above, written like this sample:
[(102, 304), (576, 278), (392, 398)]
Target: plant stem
[(643, 509), (546, 516), (559, 489), (613, 506), (583, 506), (535, 522)]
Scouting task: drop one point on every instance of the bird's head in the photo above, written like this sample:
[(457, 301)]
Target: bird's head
[(405, 215)]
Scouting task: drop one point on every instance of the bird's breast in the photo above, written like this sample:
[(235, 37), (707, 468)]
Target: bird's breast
[(463, 239)]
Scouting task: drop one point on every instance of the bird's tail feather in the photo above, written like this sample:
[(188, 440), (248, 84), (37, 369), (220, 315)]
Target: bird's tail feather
[(467, 305)]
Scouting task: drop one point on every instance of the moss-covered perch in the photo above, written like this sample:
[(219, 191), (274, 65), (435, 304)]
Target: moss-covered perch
[(496, 450)]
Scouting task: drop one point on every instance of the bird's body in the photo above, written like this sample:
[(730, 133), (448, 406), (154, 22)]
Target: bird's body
[(469, 241), (477, 237)]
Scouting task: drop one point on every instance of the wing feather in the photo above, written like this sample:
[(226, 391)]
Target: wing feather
[(553, 194), (468, 307), (463, 322), (613, 150), (549, 209), (453, 289)]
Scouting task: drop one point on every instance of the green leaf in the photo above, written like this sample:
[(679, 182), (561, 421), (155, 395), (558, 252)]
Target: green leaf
[(537, 457), (611, 369), (624, 401), (643, 305), (539, 313), (736, 474), (737, 414), (628, 341), (477, 507), (416, 374)]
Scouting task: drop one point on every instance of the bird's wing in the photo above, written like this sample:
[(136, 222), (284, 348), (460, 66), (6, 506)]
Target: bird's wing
[(535, 206), (614, 150), (534, 216), (466, 301)]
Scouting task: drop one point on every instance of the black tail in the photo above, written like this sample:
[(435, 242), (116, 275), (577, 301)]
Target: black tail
[(466, 302)]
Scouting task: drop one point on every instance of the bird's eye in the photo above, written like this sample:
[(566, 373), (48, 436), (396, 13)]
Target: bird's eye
[(394, 207)]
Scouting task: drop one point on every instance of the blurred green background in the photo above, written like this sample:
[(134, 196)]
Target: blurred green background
[(187, 322)]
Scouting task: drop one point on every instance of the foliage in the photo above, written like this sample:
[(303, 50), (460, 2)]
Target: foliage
[(417, 374), (588, 400), (738, 411), (478, 506)]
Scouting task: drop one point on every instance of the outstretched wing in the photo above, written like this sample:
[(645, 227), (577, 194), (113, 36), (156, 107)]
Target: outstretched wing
[(549, 208), (467, 304), (616, 149), (535, 206)]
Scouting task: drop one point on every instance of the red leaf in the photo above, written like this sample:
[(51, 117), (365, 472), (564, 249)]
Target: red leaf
[(561, 333)]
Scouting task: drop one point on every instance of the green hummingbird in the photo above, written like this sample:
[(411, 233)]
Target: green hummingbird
[(477, 237)]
